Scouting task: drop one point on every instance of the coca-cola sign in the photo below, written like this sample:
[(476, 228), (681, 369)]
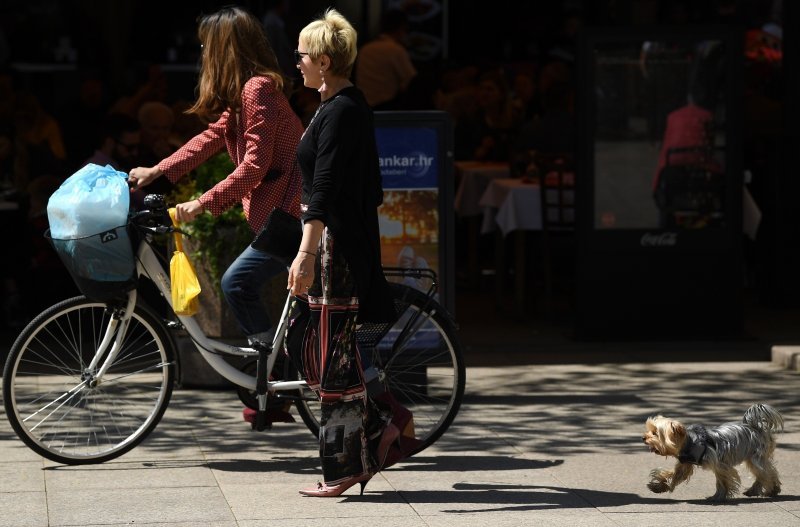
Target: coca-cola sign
[(659, 239)]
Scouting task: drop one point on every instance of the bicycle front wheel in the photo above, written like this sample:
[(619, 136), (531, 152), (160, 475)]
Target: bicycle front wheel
[(51, 402), (418, 359)]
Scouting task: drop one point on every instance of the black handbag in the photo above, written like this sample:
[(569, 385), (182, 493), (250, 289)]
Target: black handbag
[(281, 234)]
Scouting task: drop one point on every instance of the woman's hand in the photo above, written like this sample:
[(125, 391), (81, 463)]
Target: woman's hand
[(185, 212), (142, 176), (301, 273)]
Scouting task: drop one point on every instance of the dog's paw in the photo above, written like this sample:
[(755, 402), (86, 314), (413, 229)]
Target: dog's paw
[(753, 491), (658, 482), (757, 490), (658, 486)]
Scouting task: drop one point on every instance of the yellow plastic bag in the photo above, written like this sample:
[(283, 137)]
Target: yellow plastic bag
[(185, 287)]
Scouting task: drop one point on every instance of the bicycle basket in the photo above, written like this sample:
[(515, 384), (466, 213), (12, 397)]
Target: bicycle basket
[(102, 264)]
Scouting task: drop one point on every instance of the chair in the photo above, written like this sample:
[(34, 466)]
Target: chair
[(690, 189), (557, 180)]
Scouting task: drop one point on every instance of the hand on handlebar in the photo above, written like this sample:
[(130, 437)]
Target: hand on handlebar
[(142, 176)]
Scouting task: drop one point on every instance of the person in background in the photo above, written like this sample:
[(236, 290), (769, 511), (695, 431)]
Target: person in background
[(82, 118), (120, 142), (525, 98), (154, 87), (186, 125), (39, 142), (275, 28), (384, 69), (338, 265), (487, 135), (241, 90), (156, 120)]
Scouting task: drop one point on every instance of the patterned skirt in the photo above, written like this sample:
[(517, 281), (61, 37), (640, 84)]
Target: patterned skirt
[(350, 422)]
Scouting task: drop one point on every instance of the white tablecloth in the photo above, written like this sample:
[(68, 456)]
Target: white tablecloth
[(511, 204), (475, 177)]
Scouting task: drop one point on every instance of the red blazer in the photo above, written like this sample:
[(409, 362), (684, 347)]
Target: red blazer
[(262, 142)]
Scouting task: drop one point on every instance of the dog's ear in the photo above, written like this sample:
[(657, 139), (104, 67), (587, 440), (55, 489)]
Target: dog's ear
[(678, 431)]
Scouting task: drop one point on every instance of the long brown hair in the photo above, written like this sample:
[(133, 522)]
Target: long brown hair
[(235, 49)]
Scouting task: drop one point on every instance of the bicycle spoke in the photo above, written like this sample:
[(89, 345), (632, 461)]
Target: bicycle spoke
[(149, 368), (68, 396), (59, 415)]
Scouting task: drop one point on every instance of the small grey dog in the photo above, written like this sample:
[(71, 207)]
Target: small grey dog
[(718, 449)]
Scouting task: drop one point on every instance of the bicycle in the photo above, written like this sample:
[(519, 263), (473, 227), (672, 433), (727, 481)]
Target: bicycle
[(87, 381)]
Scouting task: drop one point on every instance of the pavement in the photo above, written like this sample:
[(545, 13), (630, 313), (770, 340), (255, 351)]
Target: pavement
[(549, 434), (541, 444)]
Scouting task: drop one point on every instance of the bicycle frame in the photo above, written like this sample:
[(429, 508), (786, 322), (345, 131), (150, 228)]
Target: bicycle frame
[(148, 265)]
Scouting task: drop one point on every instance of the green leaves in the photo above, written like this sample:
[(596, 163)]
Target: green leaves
[(217, 241)]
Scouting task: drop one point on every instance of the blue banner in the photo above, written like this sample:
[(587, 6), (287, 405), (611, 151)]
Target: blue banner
[(408, 157)]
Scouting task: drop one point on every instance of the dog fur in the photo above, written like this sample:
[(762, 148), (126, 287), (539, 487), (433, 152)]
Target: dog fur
[(719, 449)]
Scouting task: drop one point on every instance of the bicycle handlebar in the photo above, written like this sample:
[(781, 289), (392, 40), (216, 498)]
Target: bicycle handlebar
[(155, 217)]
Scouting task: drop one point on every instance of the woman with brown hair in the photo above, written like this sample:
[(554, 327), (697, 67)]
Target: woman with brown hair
[(241, 90)]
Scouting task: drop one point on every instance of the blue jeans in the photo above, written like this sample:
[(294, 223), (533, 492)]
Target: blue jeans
[(241, 285)]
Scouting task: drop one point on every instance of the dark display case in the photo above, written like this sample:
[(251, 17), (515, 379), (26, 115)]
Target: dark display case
[(659, 220)]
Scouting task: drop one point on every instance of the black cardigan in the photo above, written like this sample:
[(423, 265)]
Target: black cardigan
[(342, 187)]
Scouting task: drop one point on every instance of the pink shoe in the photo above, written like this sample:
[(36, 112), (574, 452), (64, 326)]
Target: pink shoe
[(324, 491)]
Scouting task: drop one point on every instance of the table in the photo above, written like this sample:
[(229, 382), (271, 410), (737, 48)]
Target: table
[(511, 204), (473, 177), (515, 206)]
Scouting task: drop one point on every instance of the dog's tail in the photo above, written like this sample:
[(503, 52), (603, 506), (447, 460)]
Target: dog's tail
[(764, 417)]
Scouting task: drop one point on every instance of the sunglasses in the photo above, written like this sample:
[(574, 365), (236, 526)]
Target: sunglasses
[(298, 56)]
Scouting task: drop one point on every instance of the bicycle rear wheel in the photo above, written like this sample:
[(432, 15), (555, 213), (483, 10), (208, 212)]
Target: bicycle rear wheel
[(418, 359), (52, 407)]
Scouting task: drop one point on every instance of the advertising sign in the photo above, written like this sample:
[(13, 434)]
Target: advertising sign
[(415, 224)]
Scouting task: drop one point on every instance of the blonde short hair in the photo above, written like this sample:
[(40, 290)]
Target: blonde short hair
[(334, 36)]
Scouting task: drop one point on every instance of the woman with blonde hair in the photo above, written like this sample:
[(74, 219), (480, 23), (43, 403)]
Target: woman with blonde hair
[(338, 264), (241, 90)]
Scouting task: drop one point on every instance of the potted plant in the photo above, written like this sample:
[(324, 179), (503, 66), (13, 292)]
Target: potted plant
[(213, 242)]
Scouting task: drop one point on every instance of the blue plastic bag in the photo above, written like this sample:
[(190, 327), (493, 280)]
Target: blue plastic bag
[(92, 200), (88, 216)]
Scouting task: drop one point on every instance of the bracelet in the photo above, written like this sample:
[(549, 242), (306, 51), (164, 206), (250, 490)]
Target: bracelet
[(307, 252)]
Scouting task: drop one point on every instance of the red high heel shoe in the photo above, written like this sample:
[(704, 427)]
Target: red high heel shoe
[(324, 491), (389, 436)]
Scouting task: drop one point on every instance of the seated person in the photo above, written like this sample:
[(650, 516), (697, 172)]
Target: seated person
[(487, 135), (687, 127), (688, 142)]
